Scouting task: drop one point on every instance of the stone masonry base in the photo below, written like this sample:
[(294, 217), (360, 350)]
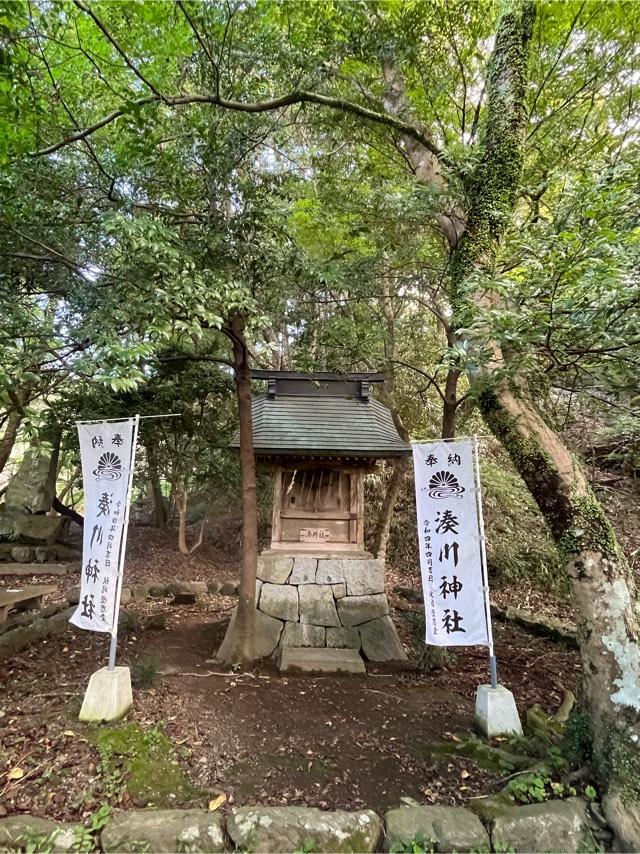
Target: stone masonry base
[(335, 602)]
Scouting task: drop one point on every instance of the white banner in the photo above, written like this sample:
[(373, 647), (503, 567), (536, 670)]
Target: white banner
[(449, 537), (107, 451)]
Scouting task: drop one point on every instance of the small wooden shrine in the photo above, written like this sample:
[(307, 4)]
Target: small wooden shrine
[(320, 597), (320, 433)]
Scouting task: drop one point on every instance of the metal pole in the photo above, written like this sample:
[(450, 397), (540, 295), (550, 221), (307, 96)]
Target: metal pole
[(141, 417), (123, 547), (493, 665)]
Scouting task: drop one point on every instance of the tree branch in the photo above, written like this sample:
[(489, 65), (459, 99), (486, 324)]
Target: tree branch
[(295, 97), (84, 8)]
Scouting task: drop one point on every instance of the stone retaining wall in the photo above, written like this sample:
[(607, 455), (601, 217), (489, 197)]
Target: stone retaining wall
[(333, 602), (560, 826)]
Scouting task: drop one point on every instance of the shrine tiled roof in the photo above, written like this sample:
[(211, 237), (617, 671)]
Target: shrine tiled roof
[(297, 425)]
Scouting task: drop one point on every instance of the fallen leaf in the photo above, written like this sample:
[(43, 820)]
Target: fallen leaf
[(15, 774), (464, 774), (70, 733), (216, 803)]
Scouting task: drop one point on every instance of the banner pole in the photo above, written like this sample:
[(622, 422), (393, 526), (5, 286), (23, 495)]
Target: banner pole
[(493, 665), (125, 530)]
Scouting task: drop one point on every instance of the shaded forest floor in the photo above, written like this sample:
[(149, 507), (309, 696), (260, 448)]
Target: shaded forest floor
[(332, 742), (195, 732)]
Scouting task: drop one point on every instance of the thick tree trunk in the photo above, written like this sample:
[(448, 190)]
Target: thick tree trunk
[(238, 645), (603, 586), (9, 436), (604, 591)]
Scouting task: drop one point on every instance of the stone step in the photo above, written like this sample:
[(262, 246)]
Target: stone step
[(309, 660), (39, 568)]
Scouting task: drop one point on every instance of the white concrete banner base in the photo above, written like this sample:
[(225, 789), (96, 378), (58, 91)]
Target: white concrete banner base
[(496, 712), (108, 696)]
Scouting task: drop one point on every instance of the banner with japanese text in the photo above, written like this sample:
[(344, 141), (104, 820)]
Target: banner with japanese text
[(107, 453), (449, 538)]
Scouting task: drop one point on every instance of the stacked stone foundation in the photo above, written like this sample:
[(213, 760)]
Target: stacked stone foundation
[(336, 602)]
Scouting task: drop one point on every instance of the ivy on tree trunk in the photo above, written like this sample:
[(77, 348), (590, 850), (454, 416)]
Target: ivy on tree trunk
[(603, 585)]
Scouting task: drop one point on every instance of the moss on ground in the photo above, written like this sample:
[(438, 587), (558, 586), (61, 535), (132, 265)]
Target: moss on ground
[(483, 755), (144, 764)]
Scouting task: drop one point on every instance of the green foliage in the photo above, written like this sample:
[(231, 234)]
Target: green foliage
[(536, 787), (307, 847), (418, 845)]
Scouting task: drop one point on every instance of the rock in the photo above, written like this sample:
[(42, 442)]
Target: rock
[(317, 605), (302, 634), (274, 569), (624, 819), (267, 634), (258, 590), (29, 528), (551, 826), (409, 593), (31, 490), (214, 586), (164, 831), (329, 572), (447, 828), (43, 554), (343, 638), (74, 595), (23, 554), (125, 595), (156, 621), (354, 610), (304, 570), (20, 831), (380, 641), (184, 599), (363, 577), (310, 660), (139, 592), (339, 590), (197, 587), (229, 588), (279, 600), (290, 829), (158, 591)]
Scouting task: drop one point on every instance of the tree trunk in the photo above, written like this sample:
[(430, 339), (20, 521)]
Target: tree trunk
[(604, 591), (450, 405), (603, 586), (181, 503), (238, 647), (401, 465), (383, 523), (9, 436), (182, 497), (159, 504)]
